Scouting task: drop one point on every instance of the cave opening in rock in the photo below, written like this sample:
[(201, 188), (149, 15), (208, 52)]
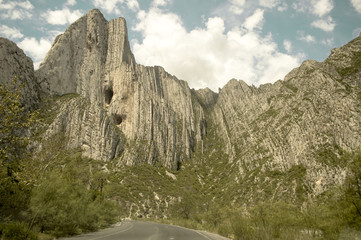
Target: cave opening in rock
[(108, 95), (119, 118)]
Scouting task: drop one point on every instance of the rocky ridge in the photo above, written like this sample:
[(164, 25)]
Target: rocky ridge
[(120, 111), (309, 119), (150, 109), (14, 63)]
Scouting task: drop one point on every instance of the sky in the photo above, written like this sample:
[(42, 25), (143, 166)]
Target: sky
[(205, 42)]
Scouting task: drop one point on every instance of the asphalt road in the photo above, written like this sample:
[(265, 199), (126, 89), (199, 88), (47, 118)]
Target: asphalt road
[(136, 230)]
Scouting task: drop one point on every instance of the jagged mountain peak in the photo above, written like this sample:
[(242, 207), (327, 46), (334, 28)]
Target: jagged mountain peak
[(286, 141), (238, 84), (206, 97), (77, 60), (15, 64), (133, 114), (93, 58), (128, 102)]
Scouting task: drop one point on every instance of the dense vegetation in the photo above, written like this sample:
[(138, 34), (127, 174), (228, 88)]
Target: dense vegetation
[(52, 193), (57, 192), (334, 214)]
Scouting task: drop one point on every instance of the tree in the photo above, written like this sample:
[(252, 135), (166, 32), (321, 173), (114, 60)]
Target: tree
[(14, 122), (62, 207), (353, 192)]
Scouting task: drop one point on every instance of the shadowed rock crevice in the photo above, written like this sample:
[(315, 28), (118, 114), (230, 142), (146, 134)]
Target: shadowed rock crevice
[(274, 125), (106, 75), (119, 118), (108, 95)]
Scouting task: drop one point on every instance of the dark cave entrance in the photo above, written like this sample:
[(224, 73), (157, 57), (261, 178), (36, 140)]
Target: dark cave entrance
[(108, 94), (119, 118)]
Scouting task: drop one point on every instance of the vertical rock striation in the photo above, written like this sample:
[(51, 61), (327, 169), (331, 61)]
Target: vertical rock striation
[(14, 63), (308, 119), (112, 108), (133, 113)]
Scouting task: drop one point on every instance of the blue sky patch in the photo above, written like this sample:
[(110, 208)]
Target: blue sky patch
[(205, 42)]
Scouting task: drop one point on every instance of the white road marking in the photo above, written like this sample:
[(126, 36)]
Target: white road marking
[(202, 235), (124, 230)]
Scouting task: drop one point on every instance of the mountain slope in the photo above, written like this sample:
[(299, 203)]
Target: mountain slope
[(14, 63), (314, 111), (129, 114), (172, 151), (136, 114)]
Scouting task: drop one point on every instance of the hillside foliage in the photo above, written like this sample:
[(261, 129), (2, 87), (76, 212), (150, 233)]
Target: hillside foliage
[(57, 192), (51, 193)]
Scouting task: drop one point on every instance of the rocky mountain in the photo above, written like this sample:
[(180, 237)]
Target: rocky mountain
[(308, 119), (14, 63), (120, 112), (133, 114)]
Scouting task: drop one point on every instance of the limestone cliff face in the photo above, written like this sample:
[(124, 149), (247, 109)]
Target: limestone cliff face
[(157, 115), (113, 109), (77, 58), (14, 63), (134, 113), (75, 64), (308, 119)]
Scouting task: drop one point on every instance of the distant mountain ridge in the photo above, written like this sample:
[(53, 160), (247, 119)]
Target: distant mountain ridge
[(120, 111)]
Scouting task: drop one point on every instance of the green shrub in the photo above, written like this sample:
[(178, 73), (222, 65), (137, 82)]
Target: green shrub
[(242, 229), (63, 207), (16, 231)]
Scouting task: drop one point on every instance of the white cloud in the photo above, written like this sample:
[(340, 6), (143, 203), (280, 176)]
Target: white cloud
[(356, 32), (357, 5), (15, 9), (255, 20), (70, 3), (282, 7), (133, 5), (209, 56), (301, 5), (307, 38), (287, 45), (12, 33), (326, 25), (277, 66), (269, 3), (321, 7), (328, 42), (316, 7), (160, 3), (10, 5), (237, 6), (35, 49), (62, 17), (110, 6)]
